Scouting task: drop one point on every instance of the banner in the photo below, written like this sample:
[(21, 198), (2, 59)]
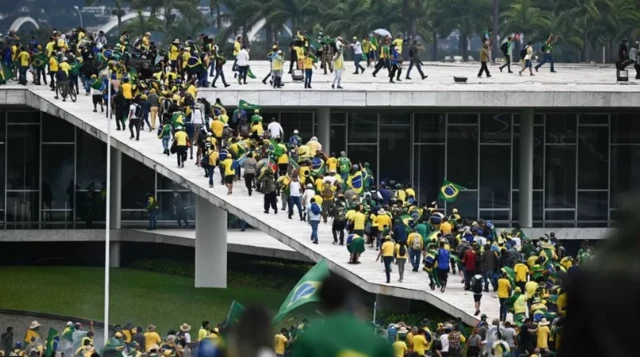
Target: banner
[(305, 291)]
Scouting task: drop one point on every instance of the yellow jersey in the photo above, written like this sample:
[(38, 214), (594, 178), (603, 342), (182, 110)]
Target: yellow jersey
[(173, 53), (228, 167), (217, 126), (127, 91), (24, 58), (279, 343), (65, 67), (181, 138), (236, 48), (388, 249), (308, 63)]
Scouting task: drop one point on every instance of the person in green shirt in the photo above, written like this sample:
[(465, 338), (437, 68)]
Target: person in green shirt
[(546, 48), (339, 333), (344, 165)]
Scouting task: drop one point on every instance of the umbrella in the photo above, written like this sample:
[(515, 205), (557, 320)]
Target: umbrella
[(382, 32)]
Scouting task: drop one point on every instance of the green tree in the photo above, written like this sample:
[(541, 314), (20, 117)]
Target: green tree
[(118, 11)]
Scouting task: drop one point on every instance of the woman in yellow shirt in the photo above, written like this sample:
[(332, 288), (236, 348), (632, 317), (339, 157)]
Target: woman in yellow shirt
[(308, 69), (280, 342), (504, 291), (229, 174), (401, 258), (386, 252)]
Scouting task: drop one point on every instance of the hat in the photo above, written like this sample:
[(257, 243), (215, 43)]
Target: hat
[(176, 41), (381, 211), (185, 327), (118, 335), (518, 290), (295, 131), (171, 338), (355, 38), (151, 327), (543, 322), (34, 324), (69, 323), (309, 185), (483, 317), (455, 210)]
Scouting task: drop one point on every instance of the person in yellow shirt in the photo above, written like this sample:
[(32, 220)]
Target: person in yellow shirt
[(229, 174), (420, 343), (309, 65), (543, 336), (204, 331), (50, 47), (280, 342), (237, 46), (445, 226), (332, 163), (401, 258), (174, 51), (211, 158), (217, 127), (504, 292), (358, 220), (416, 246), (181, 138), (151, 337), (400, 347), (24, 59), (386, 252), (521, 271), (32, 334)]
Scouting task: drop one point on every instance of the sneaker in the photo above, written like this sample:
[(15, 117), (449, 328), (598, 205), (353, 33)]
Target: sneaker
[(536, 68), (332, 87), (339, 87), (500, 69), (425, 76), (407, 78), (210, 186)]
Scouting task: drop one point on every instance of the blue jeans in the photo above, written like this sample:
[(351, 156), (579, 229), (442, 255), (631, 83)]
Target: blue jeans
[(387, 267), (314, 230), (153, 219), (85, 84), (165, 142), (414, 256), (503, 309), (547, 58), (357, 59), (295, 201), (243, 225), (489, 276), (307, 77), (210, 170), (212, 67)]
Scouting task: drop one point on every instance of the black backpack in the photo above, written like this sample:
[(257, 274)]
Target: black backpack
[(523, 53), (477, 286), (504, 48), (138, 112)]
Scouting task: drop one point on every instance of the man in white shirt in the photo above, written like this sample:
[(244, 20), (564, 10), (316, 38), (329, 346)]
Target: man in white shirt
[(275, 129), (295, 196), (242, 62), (135, 114), (357, 51), (306, 198)]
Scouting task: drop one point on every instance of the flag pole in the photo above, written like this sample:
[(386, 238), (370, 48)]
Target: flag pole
[(107, 242)]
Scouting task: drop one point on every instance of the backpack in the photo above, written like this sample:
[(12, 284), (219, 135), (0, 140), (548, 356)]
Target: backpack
[(477, 285), (327, 191), (523, 53), (504, 48), (138, 111), (339, 215), (415, 243), (402, 251), (315, 209)]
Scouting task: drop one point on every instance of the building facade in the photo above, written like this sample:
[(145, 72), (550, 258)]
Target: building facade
[(52, 174)]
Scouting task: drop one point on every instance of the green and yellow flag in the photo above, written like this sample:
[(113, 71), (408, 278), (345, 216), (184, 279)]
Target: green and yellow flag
[(52, 343), (449, 191), (244, 105), (39, 60), (235, 311), (5, 73), (305, 291)]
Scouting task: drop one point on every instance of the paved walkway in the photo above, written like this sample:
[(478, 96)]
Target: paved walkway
[(368, 275)]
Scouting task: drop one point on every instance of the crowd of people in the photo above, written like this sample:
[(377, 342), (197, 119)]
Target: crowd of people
[(298, 178)]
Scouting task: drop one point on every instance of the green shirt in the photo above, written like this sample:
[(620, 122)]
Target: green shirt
[(421, 228), (341, 335)]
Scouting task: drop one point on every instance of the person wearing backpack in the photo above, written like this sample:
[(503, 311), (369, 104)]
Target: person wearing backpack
[(135, 116), (401, 258), (476, 285), (546, 49), (328, 193), (506, 48), (339, 220), (314, 219), (415, 243)]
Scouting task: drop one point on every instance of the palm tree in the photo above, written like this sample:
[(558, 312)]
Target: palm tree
[(463, 16), (141, 24), (523, 17), (186, 26), (349, 17), (215, 5)]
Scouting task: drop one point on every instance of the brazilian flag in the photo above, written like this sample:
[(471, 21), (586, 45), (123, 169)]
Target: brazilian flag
[(5, 73), (244, 105), (511, 276), (39, 60), (52, 342), (317, 166), (449, 191), (355, 182)]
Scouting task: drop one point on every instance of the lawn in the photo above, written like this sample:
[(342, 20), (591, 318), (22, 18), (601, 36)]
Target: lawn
[(138, 296)]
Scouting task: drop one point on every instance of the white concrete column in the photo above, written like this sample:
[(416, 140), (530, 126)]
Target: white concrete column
[(116, 189), (114, 255), (211, 245), (323, 118), (526, 168)]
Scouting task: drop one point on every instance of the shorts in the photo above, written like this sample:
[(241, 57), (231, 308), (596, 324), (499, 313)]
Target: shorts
[(477, 297), (228, 179), (97, 98), (527, 64)]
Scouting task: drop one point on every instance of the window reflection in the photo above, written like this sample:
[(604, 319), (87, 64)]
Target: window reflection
[(593, 157), (495, 171), (137, 181), (363, 128), (462, 156), (560, 183), (429, 172), (23, 157), (395, 154), (430, 127)]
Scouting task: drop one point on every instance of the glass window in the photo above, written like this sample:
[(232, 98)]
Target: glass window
[(363, 128), (395, 154), (560, 184), (91, 161), (466, 203), (55, 129), (538, 157), (395, 118), (3, 125), (538, 119), (338, 118), (462, 156), (168, 210), (359, 154), (593, 206), (536, 210), (561, 128), (625, 172), (292, 121), (463, 118), (338, 138), (22, 209), (429, 172), (2, 176), (57, 176), (495, 174), (499, 217), (430, 127), (60, 219), (495, 128), (27, 116), (165, 183), (23, 157), (560, 216), (591, 119), (625, 128), (91, 207), (137, 181), (593, 157)]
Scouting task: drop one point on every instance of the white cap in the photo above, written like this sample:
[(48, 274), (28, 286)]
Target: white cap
[(295, 131), (69, 323)]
